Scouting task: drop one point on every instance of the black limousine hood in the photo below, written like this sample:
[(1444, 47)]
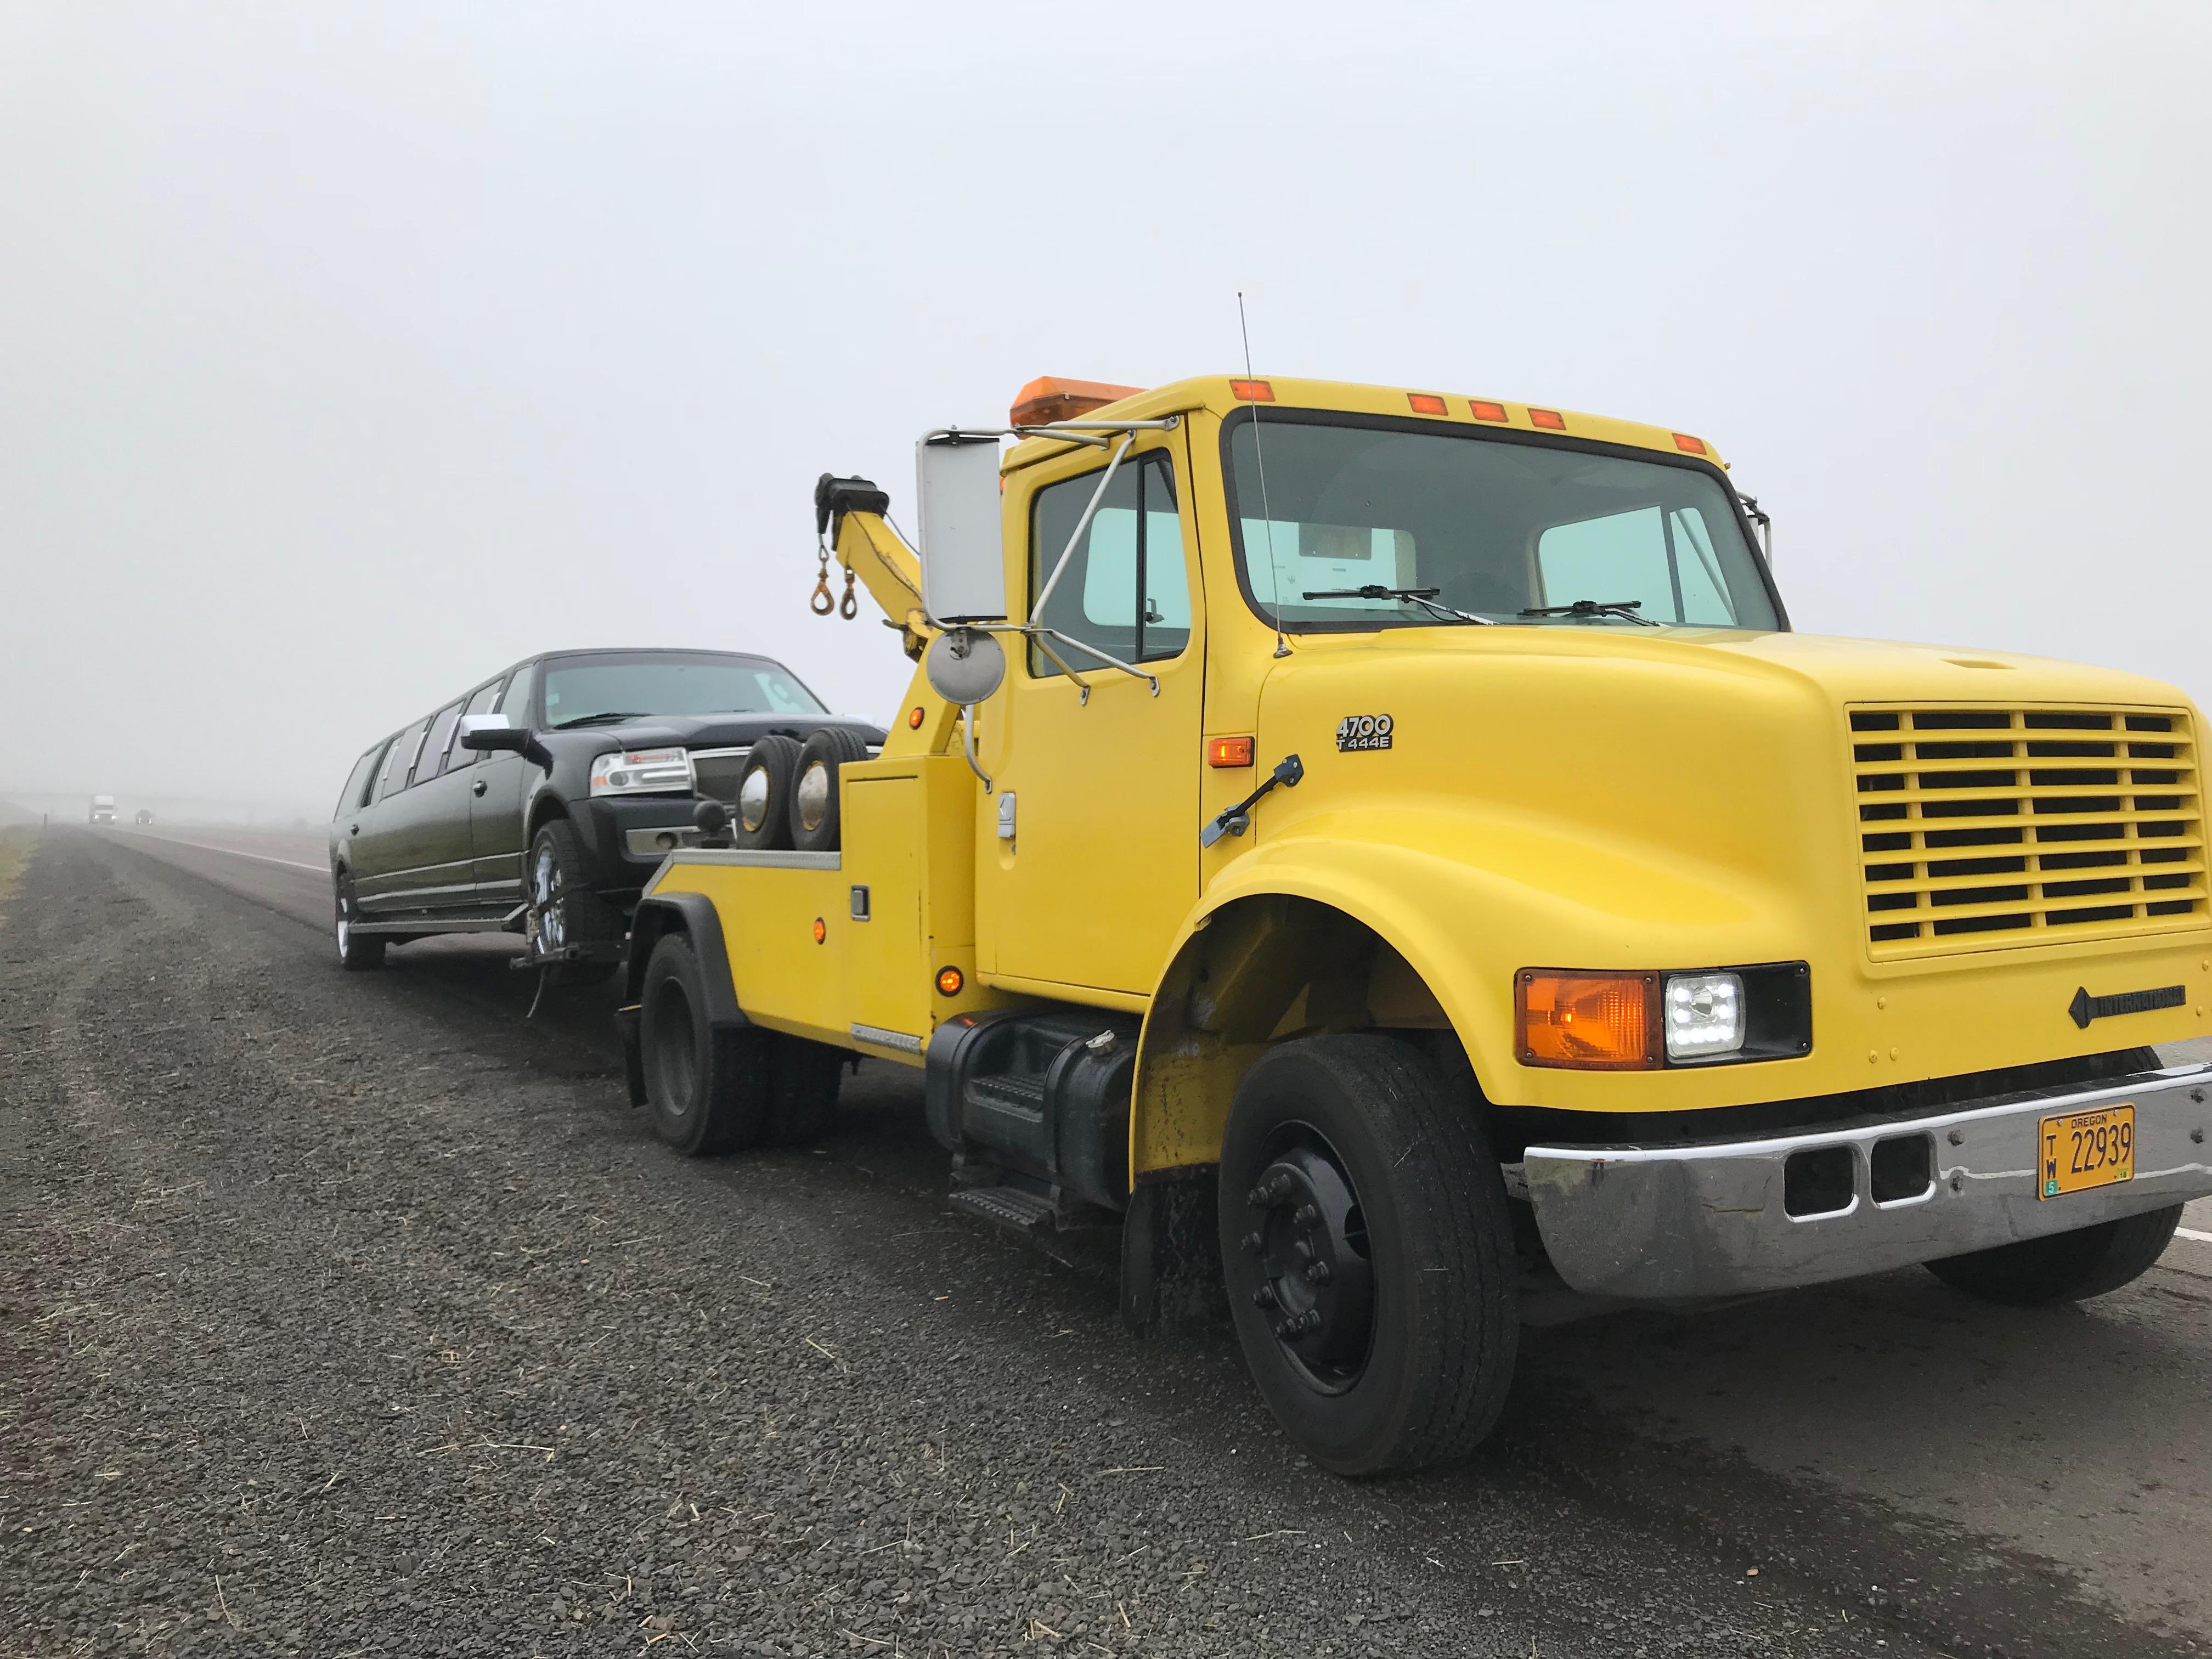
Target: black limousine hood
[(705, 731)]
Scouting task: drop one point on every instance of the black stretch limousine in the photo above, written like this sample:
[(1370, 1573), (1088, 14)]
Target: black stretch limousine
[(541, 801)]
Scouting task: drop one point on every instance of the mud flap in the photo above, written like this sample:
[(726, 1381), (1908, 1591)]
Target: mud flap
[(626, 1022), (1171, 1253)]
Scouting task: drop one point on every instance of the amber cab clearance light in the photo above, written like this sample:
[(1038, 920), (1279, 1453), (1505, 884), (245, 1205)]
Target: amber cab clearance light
[(1426, 402), (1587, 1021), (1228, 751), (1252, 392), (1483, 409), (1054, 397), (1550, 419), (1688, 445), (949, 982)]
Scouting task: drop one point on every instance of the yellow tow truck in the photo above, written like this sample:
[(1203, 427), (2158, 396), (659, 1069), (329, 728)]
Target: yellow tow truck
[(1387, 851)]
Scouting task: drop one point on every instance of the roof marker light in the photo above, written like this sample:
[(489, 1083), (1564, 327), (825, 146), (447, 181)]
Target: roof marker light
[(1426, 402), (1252, 392), (1483, 409), (1548, 418), (1688, 445)]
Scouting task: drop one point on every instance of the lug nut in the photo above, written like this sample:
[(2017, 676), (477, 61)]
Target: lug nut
[(1306, 1215), (1283, 1331), (1264, 1296), (1317, 1273), (1254, 1244), (1309, 1320), (1303, 1250), (1257, 1197)]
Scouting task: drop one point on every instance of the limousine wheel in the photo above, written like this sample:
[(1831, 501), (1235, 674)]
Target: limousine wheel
[(814, 814), (564, 909), (356, 950), (706, 1090)]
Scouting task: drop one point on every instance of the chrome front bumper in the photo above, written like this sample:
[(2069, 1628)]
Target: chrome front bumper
[(1683, 1223)]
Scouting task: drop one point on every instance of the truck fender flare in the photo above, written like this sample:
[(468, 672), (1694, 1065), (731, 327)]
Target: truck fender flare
[(694, 916)]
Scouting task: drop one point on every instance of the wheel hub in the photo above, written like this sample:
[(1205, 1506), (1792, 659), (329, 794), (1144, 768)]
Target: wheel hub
[(547, 927), (1308, 1244)]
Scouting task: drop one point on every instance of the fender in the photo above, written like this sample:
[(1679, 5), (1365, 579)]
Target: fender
[(690, 914)]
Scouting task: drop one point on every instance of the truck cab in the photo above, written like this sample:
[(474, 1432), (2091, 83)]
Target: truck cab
[(102, 810), (1388, 851)]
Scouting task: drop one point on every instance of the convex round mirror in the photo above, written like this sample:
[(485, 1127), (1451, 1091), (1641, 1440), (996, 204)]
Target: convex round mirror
[(964, 665)]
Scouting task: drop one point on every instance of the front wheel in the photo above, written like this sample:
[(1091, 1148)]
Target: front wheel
[(1369, 1253), (2064, 1266), (564, 910), (707, 1090), (357, 951)]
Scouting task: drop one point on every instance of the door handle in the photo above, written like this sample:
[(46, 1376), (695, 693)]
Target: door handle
[(478, 786), (353, 830)]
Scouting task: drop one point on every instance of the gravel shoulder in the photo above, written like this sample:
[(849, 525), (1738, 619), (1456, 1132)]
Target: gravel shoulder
[(351, 1314)]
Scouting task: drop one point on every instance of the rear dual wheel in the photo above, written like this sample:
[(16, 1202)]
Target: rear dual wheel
[(1369, 1253), (714, 1088)]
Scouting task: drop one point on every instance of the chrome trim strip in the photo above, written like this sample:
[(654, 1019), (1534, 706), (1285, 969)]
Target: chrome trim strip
[(757, 860), (1682, 1223), (645, 840), (880, 1038)]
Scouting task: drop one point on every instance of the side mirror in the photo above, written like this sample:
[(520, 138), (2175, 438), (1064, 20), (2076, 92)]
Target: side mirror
[(963, 568), (491, 731)]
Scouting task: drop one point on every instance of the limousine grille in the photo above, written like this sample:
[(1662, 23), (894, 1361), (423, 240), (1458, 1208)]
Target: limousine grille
[(719, 771), (1984, 828)]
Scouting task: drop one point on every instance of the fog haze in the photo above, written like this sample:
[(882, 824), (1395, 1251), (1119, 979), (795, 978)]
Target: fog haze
[(346, 355)]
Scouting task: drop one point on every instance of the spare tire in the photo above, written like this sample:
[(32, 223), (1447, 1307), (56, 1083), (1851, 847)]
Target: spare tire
[(815, 819), (762, 817)]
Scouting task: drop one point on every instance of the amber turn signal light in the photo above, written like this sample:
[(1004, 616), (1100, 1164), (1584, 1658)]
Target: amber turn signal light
[(949, 982), (821, 930), (1229, 752), (1587, 1021), (914, 718), (1252, 392)]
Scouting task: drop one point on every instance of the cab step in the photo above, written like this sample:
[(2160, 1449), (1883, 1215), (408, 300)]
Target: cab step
[(1025, 1213)]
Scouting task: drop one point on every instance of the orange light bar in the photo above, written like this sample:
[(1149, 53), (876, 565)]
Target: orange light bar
[(949, 982), (1252, 392), (1054, 397), (914, 718), (1548, 417), (1229, 752), (1426, 402), (1594, 1022), (1483, 409), (1688, 445), (821, 930)]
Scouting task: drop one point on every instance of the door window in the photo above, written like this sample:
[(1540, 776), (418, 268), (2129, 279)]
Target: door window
[(434, 747), (1125, 589), (479, 704), (521, 692), (399, 759)]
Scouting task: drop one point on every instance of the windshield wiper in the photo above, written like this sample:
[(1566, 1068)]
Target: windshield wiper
[(1627, 608), (602, 718), (1425, 596)]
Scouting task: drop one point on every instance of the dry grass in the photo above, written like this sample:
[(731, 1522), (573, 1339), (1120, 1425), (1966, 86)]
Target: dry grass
[(15, 847)]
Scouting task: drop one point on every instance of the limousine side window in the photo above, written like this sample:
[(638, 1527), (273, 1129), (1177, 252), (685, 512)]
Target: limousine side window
[(479, 704), (355, 793), (400, 761), (434, 750)]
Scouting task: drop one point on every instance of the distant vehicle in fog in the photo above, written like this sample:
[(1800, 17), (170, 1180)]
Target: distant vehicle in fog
[(103, 810), (541, 801), (145, 816)]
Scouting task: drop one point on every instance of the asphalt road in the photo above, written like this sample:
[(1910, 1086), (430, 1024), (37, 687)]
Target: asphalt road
[(344, 1314)]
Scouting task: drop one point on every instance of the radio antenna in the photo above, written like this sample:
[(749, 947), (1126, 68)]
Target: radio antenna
[(1260, 456)]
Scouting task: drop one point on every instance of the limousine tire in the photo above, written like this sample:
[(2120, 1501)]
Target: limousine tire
[(705, 1088), (356, 952), (815, 826), (762, 819), (564, 910)]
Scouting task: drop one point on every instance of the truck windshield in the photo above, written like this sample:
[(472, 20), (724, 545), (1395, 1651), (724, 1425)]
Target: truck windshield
[(1496, 526), (622, 684)]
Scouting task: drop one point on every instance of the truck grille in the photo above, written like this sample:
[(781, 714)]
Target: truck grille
[(1986, 827)]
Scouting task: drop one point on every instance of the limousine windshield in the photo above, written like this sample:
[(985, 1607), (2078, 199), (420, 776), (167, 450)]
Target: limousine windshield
[(612, 686)]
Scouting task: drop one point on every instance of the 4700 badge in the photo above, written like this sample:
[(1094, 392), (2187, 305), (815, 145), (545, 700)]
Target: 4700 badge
[(1363, 731)]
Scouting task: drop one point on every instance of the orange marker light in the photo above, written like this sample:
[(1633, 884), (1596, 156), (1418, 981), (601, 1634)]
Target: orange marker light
[(1229, 752), (1483, 409), (949, 982), (1688, 445), (1252, 392), (914, 718), (1426, 402), (821, 930), (1586, 1021), (1548, 417)]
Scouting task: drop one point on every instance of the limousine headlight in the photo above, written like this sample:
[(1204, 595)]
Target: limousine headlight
[(643, 772)]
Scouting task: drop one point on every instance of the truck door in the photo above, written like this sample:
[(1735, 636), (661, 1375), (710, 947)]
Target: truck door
[(1103, 863)]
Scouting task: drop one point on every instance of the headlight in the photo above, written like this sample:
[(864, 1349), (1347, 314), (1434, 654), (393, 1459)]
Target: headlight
[(1704, 1015), (643, 772)]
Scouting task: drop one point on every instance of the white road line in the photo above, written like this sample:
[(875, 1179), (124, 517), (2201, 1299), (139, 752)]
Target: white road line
[(259, 857), (2191, 1233)]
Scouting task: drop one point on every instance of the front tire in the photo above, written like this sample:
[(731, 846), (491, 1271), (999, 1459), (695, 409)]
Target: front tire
[(2065, 1266), (357, 952), (706, 1090), (1367, 1249), (564, 910)]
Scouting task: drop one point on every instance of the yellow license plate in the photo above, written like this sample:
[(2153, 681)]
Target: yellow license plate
[(2087, 1149)]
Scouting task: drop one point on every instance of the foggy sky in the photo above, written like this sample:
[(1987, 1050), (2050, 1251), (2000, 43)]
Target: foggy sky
[(347, 356)]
